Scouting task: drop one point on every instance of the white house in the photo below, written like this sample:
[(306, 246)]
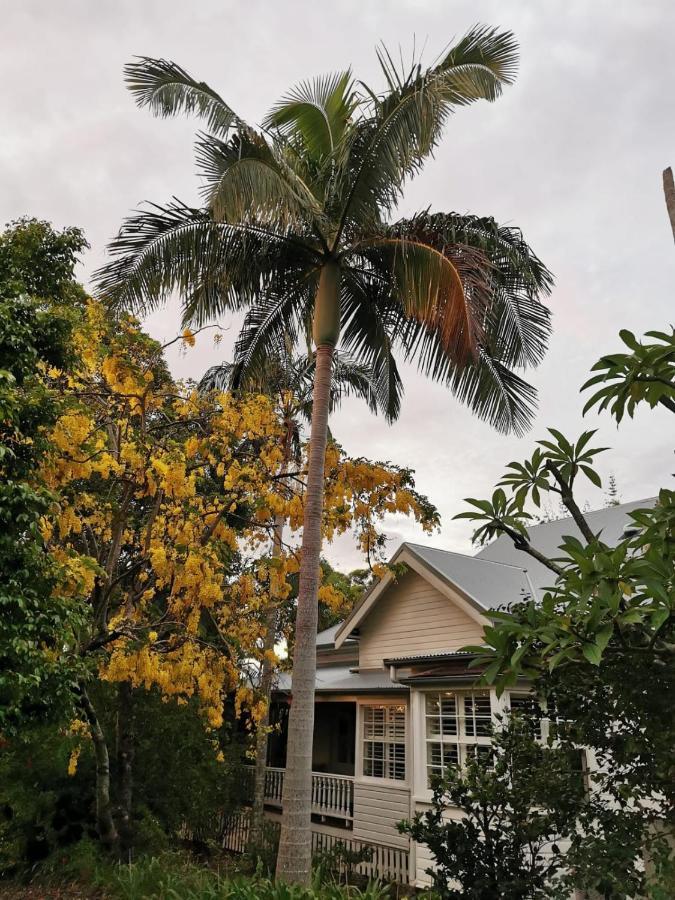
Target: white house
[(395, 700)]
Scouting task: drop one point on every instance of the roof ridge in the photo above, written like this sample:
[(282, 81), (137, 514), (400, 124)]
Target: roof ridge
[(591, 512), (479, 559)]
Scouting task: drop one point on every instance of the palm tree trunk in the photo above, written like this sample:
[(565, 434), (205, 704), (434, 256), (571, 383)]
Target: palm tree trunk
[(266, 678), (294, 862), (669, 191), (105, 824)]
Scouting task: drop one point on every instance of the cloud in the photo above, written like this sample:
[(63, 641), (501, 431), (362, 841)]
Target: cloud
[(572, 154)]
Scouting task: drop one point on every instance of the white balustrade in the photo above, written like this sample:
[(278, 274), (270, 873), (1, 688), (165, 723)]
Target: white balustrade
[(332, 795)]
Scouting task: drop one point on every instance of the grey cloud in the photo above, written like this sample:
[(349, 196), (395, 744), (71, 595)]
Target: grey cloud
[(572, 153)]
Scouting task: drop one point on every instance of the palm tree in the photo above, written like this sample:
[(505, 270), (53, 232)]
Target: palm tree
[(288, 379), (296, 230)]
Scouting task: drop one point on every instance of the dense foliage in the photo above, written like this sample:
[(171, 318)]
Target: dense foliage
[(137, 576), (36, 276), (495, 826), (599, 646)]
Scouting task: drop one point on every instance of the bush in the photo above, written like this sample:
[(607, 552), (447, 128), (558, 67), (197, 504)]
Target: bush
[(169, 877), (43, 810)]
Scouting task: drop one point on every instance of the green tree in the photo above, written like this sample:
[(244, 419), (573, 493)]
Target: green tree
[(598, 647), (295, 230), (36, 284), (518, 801)]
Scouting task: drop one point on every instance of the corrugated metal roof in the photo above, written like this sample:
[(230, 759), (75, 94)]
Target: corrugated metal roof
[(340, 679), (489, 584), (547, 538), (433, 654)]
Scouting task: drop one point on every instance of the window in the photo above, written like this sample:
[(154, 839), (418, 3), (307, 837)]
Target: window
[(384, 742), (527, 707), (456, 725)]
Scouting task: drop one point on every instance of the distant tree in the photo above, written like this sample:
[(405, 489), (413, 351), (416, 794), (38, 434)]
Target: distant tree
[(612, 495)]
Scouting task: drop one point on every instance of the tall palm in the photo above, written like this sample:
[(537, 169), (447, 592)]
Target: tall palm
[(288, 379), (296, 230)]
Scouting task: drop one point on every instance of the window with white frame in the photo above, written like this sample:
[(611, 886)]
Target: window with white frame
[(527, 707), (384, 738), (457, 724)]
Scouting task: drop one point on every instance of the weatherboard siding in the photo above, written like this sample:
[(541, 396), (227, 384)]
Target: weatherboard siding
[(413, 617), (377, 810)]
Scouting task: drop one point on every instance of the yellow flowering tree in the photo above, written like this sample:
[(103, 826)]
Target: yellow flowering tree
[(156, 484), (167, 499)]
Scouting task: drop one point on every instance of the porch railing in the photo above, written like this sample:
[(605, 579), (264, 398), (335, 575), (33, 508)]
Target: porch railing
[(332, 795), (388, 863)]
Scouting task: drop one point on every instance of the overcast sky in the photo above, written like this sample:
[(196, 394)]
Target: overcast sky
[(572, 153)]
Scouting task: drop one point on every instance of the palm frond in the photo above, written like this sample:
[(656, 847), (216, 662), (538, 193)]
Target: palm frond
[(167, 90), (270, 326), (219, 378), (315, 114), (428, 287), (214, 266), (495, 393), (244, 182), (402, 127), (479, 65), (375, 326), (366, 321), (514, 280)]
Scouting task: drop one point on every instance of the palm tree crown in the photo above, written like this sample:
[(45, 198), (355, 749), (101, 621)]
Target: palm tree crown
[(316, 185)]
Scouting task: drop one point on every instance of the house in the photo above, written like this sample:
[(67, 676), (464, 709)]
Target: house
[(395, 700)]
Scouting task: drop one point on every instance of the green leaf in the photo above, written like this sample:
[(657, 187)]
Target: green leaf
[(593, 653), (591, 474)]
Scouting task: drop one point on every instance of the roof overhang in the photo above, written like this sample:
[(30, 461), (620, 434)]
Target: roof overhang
[(406, 555)]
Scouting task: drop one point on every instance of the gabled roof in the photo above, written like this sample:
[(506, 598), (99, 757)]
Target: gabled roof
[(476, 585), (499, 574), (488, 583)]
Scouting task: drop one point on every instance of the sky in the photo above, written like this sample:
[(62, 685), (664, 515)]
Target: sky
[(572, 153)]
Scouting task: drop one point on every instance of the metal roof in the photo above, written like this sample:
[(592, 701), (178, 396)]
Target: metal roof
[(343, 680), (547, 538), (326, 638), (489, 584), (438, 655)]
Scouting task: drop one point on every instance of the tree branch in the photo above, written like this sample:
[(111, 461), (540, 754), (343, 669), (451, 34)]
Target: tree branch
[(570, 503)]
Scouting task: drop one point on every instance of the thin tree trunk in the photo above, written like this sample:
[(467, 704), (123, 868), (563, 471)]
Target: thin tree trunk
[(295, 846), (266, 679), (104, 818), (669, 191), (125, 757)]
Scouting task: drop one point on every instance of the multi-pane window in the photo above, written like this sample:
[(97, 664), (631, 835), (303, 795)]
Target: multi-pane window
[(528, 709), (384, 742), (457, 724)]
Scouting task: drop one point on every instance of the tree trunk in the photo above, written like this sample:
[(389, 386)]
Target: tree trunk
[(266, 678), (125, 757), (104, 818), (295, 846), (669, 191)]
